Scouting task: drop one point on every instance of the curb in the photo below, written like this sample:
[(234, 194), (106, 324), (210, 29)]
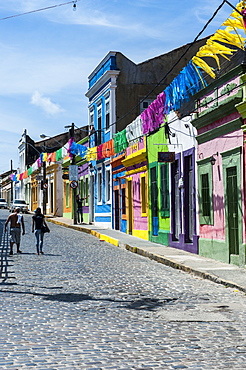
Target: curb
[(182, 267), (100, 236), (153, 256)]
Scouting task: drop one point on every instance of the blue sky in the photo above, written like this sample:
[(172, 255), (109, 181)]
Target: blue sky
[(46, 57)]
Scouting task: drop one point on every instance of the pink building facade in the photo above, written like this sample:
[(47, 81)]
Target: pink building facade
[(221, 169)]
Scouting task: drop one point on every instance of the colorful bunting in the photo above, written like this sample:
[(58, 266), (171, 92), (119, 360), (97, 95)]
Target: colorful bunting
[(189, 81), (120, 141), (213, 48)]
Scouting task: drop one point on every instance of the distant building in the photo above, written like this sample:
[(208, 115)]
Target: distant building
[(6, 186)]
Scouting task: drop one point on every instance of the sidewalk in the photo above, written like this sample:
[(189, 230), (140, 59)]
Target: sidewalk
[(218, 272)]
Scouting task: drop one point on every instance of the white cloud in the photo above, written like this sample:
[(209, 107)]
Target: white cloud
[(108, 19), (44, 71), (205, 10), (46, 104)]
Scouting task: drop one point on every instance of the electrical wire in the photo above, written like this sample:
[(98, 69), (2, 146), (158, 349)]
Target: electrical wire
[(233, 7), (171, 69), (177, 119), (171, 121), (38, 10), (187, 114), (180, 58)]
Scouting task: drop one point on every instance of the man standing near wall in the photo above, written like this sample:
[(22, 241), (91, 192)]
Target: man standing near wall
[(16, 223)]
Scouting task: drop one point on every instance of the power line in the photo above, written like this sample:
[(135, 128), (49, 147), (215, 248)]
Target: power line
[(180, 58), (39, 10), (174, 119)]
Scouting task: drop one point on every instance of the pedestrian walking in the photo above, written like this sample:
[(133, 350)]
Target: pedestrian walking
[(38, 224), (16, 223)]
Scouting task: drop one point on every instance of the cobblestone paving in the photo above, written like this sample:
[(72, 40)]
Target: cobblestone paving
[(86, 304)]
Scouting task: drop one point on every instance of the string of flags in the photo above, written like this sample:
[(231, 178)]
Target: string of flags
[(188, 82)]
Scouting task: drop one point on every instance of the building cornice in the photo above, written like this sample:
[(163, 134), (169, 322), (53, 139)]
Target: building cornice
[(226, 107), (112, 75), (99, 66), (237, 71), (220, 130)]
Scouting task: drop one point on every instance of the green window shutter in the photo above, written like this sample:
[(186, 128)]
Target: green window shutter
[(205, 186), (164, 189)]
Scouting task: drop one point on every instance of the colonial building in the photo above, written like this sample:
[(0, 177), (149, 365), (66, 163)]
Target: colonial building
[(119, 90), (221, 168), (159, 188), (6, 186), (183, 200)]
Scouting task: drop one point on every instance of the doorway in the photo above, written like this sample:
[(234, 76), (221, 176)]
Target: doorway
[(130, 211), (188, 199), (52, 198), (154, 200), (92, 209), (232, 210), (116, 210)]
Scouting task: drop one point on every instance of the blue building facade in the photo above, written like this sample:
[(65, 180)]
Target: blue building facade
[(101, 95)]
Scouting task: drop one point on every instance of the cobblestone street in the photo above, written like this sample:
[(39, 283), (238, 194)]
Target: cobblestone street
[(86, 304)]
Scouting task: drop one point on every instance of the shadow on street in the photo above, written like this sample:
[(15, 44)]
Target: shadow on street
[(4, 243), (137, 304)]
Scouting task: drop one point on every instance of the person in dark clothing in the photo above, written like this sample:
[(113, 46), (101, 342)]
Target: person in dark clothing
[(79, 208), (38, 220)]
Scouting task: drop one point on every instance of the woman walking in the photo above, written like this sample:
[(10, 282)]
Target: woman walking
[(38, 221)]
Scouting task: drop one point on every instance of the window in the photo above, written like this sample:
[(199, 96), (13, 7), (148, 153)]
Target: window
[(91, 120), (143, 195), (81, 191), (86, 190), (108, 185), (99, 187), (164, 188), (205, 206), (107, 124), (144, 104), (123, 193), (206, 194), (99, 126)]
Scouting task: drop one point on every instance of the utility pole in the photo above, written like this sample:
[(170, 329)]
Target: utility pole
[(44, 188), (74, 189)]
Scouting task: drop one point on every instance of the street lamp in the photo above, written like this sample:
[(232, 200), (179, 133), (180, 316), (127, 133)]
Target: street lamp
[(25, 142), (43, 136), (213, 159)]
